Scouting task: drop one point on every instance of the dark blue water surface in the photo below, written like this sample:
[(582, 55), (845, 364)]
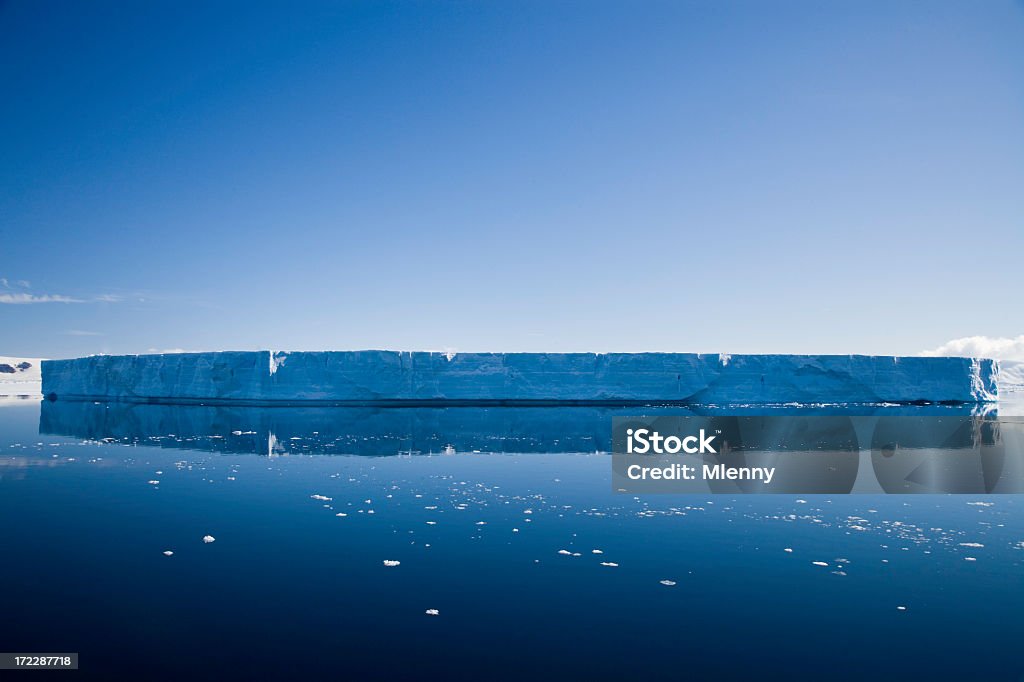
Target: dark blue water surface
[(295, 586)]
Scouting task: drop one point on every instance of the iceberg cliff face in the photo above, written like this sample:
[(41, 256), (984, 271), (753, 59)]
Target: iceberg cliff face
[(384, 377)]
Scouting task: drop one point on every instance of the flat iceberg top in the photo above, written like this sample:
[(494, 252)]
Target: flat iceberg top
[(386, 377)]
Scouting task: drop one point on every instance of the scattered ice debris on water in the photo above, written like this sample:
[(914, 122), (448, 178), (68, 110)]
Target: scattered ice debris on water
[(207, 539), (801, 501), (971, 544), (322, 498), (820, 563), (612, 564), (842, 561), (565, 552), (788, 550), (168, 552), (980, 504), (667, 583), (901, 608), (153, 482), (391, 562), (432, 612), (596, 551)]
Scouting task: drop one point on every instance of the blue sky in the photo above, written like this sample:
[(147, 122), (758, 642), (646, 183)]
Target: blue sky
[(743, 177)]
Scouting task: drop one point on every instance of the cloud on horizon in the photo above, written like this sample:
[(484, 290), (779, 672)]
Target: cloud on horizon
[(999, 348), (28, 299)]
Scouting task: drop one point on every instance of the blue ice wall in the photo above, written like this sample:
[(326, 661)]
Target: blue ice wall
[(383, 377)]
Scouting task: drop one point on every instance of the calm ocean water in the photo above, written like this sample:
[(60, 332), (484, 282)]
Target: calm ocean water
[(535, 567)]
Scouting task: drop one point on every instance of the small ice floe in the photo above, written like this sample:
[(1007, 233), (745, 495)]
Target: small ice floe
[(367, 501), (901, 608), (322, 498), (820, 563), (565, 552), (207, 539), (969, 558), (432, 612), (391, 562), (168, 552), (341, 514), (153, 482), (667, 583), (431, 523), (801, 501), (788, 550), (481, 523), (980, 504), (971, 544), (611, 564), (596, 551), (515, 530)]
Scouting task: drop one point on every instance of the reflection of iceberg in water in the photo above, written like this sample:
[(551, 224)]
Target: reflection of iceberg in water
[(383, 430), (812, 449)]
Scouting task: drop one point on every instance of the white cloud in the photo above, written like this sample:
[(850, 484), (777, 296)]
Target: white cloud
[(28, 299), (999, 348)]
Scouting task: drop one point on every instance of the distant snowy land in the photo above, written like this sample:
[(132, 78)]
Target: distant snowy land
[(20, 376)]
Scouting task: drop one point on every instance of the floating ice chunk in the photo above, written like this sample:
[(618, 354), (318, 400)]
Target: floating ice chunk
[(153, 482), (969, 558), (980, 504), (901, 608), (391, 562), (667, 583), (596, 551), (432, 612), (341, 514), (168, 552), (207, 539), (971, 544), (788, 549), (481, 523), (565, 552), (612, 564), (431, 523), (819, 563), (322, 498)]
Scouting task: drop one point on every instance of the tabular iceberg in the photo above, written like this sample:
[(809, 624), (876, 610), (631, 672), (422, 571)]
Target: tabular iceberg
[(389, 377)]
